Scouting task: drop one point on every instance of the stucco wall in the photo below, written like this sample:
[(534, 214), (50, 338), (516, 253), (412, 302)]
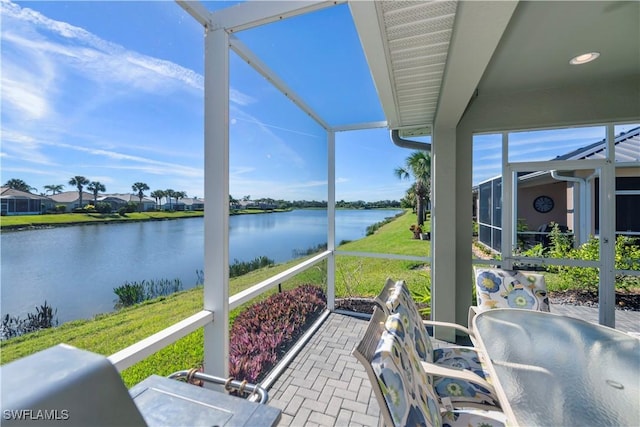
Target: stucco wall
[(526, 196)]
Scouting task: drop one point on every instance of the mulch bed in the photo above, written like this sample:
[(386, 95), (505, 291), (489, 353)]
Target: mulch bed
[(629, 301)]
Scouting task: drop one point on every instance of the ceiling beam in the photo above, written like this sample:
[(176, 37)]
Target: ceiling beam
[(477, 32), (255, 13), (252, 59), (197, 10)]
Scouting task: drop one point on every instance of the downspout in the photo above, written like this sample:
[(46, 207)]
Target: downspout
[(407, 143), (582, 186), (587, 199)]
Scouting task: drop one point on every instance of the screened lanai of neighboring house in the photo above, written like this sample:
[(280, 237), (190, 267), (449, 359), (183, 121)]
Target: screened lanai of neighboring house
[(570, 200), (443, 72)]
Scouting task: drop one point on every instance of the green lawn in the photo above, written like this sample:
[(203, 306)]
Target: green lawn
[(13, 221)]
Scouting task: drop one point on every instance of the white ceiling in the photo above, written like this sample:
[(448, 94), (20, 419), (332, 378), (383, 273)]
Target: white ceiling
[(496, 47), (543, 36)]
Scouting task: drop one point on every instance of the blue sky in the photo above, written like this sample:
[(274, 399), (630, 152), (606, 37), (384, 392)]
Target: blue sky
[(113, 91)]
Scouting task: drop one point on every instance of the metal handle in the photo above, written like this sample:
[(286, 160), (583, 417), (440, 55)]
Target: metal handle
[(228, 383)]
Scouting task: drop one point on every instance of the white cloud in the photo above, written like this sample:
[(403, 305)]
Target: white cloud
[(97, 59), (23, 146)]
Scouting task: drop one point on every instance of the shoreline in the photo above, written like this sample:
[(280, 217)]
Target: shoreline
[(40, 221)]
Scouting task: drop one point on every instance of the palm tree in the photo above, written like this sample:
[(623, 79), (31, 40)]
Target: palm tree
[(179, 195), (169, 194), (158, 195), (96, 187), (140, 188), (54, 188), (79, 182), (418, 166), (20, 185), (233, 202)]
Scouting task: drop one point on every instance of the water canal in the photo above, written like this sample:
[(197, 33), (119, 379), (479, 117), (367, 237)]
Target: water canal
[(76, 268)]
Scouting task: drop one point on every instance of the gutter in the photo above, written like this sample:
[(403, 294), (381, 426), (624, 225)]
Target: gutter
[(407, 143)]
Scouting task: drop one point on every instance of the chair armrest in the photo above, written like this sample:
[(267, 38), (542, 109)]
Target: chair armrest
[(448, 325), (461, 374), (473, 310)]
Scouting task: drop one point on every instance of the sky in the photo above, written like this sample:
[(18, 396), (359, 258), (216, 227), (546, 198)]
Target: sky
[(113, 91)]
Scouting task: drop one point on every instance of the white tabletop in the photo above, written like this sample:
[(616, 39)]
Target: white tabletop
[(552, 370)]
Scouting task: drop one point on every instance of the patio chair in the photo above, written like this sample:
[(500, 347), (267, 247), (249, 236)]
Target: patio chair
[(471, 390), (402, 387), (388, 289), (498, 288)]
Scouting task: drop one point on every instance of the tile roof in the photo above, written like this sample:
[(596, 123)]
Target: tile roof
[(11, 193)]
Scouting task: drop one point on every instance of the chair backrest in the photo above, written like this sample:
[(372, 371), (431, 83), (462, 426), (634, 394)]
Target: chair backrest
[(382, 298), (498, 288), (400, 301), (403, 396)]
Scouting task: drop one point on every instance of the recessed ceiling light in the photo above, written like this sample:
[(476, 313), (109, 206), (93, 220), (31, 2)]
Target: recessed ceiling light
[(584, 58)]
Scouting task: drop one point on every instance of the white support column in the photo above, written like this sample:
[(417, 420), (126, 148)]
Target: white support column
[(607, 288), (464, 225), (443, 231), (216, 190), (509, 219), (331, 219)]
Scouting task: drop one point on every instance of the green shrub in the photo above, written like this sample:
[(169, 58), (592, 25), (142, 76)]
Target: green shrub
[(103, 207), (238, 268), (627, 257), (43, 318), (136, 292)]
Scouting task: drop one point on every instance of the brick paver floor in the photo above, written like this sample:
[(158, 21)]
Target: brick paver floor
[(326, 386)]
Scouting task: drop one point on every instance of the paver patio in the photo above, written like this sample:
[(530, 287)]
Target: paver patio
[(326, 386)]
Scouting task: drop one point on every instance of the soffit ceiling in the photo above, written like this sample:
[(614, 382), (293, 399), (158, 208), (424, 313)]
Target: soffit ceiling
[(417, 42), (422, 51)]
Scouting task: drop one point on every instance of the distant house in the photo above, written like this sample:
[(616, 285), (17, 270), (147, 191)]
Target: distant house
[(16, 202), (255, 204), (71, 200), (193, 204), (118, 200), (571, 200), (115, 202)]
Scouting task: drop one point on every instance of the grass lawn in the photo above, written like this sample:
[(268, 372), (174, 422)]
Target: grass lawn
[(18, 221), (357, 276), (14, 221)]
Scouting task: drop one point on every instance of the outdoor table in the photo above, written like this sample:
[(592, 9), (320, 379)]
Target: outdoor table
[(551, 370)]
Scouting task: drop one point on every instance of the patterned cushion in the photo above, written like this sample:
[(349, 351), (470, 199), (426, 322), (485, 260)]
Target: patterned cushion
[(471, 418), (400, 302), (462, 358), (460, 391), (497, 288), (409, 402)]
